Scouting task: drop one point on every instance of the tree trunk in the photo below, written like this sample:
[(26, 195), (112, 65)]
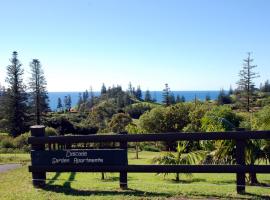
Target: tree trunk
[(137, 150), (177, 178), (102, 176), (253, 179)]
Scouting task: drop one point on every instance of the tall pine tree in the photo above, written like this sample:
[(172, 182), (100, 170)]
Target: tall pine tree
[(246, 86), (103, 89), (59, 105), (38, 93), (166, 95), (16, 98)]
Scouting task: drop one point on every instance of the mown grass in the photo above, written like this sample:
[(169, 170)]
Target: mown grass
[(14, 158), (16, 184)]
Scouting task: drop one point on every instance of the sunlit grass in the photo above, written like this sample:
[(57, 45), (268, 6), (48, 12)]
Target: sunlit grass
[(16, 184)]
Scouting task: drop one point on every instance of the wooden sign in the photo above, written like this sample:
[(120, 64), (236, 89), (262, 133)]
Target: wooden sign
[(85, 157)]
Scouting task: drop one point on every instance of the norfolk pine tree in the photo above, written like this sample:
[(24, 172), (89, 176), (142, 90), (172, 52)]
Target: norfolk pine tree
[(166, 95), (246, 86), (15, 108), (38, 93)]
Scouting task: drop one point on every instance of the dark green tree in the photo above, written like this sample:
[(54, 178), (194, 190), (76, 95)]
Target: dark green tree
[(223, 98), (172, 99), (138, 93), (91, 97), (85, 96), (183, 99), (166, 95), (103, 89), (59, 104), (67, 102), (119, 121), (230, 90), (130, 89), (147, 96), (16, 98), (207, 97), (265, 87), (38, 92), (80, 100), (178, 99), (246, 86)]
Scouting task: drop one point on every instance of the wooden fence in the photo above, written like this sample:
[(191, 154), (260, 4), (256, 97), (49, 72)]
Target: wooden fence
[(47, 154)]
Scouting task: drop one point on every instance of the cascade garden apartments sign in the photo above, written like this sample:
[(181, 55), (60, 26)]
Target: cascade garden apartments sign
[(97, 157)]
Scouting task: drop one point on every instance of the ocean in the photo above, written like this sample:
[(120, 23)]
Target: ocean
[(189, 96)]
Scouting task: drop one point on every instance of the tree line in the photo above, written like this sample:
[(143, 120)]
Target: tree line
[(22, 105)]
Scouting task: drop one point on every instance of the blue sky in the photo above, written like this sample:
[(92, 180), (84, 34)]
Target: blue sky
[(189, 44)]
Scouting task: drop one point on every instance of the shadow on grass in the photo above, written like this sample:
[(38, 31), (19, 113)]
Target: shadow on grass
[(54, 178), (76, 192), (71, 178), (245, 195), (67, 190), (192, 180)]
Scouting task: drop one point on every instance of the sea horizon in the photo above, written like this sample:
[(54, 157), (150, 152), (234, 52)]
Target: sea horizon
[(188, 94)]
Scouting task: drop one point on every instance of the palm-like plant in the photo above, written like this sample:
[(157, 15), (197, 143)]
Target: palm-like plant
[(180, 158)]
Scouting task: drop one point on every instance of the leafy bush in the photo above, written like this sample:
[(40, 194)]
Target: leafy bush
[(220, 118), (149, 147), (7, 142), (136, 110), (49, 131), (84, 130), (62, 124), (119, 121), (21, 142), (261, 120)]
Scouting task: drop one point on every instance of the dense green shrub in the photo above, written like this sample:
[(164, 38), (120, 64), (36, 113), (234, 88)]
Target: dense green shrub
[(220, 118), (7, 142), (61, 124), (261, 119), (118, 122), (49, 131), (136, 110), (148, 147), (81, 129)]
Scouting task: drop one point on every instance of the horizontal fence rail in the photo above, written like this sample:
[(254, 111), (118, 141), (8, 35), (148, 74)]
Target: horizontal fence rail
[(239, 135), (264, 169), (60, 149)]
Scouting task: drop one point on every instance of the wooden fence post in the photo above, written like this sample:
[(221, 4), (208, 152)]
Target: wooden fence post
[(123, 175), (38, 178), (240, 160)]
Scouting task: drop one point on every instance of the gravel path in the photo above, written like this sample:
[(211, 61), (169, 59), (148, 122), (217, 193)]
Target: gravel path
[(7, 167)]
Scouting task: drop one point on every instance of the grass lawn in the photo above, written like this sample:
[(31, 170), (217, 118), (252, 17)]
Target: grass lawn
[(14, 158), (16, 184)]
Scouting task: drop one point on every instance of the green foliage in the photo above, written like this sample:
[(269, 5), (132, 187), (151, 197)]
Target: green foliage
[(101, 114), (165, 119), (136, 110), (195, 116), (147, 96), (152, 121), (49, 131), (261, 119), (246, 86), (15, 101), (220, 118), (10, 144), (223, 98), (181, 157), (7, 142), (119, 121), (38, 93), (149, 147), (61, 124)]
